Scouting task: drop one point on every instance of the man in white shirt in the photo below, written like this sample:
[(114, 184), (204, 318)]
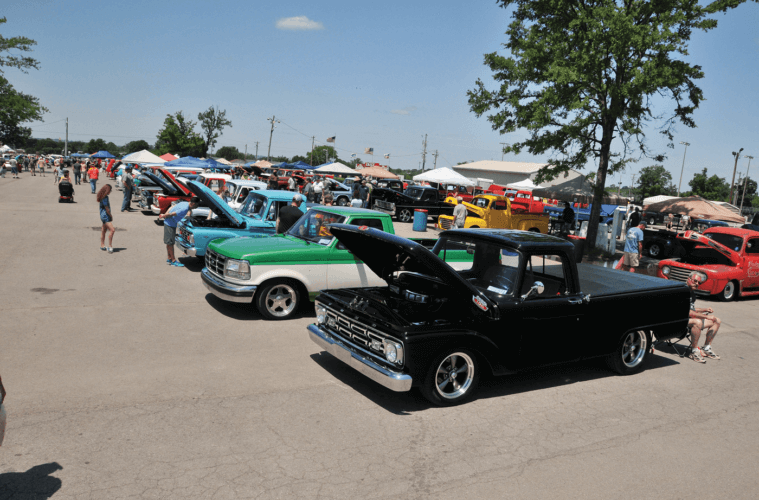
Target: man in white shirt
[(318, 188)]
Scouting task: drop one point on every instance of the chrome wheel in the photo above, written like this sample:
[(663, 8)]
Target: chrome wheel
[(654, 250), (404, 215), (728, 293), (634, 349), (454, 376), (280, 300), (342, 201)]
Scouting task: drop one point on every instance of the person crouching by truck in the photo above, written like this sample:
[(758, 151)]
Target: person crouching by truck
[(633, 247)]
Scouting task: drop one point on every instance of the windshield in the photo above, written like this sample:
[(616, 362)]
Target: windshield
[(413, 192), (313, 226), (254, 206), (491, 268), (732, 242), (481, 202)]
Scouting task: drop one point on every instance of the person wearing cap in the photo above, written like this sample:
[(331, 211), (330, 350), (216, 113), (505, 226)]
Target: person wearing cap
[(171, 218), (289, 215), (633, 247), (128, 182)]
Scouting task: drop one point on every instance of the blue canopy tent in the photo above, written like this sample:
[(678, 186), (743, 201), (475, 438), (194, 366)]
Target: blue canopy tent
[(303, 165), (211, 163), (102, 154), (80, 155), (184, 161)]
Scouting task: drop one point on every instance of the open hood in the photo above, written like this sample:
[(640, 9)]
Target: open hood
[(387, 253), (169, 178), (689, 240), (216, 204), (474, 209), (158, 181)]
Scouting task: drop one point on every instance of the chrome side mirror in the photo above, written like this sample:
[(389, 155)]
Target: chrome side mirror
[(537, 289)]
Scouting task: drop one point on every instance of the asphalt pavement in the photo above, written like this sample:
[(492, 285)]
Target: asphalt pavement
[(125, 378)]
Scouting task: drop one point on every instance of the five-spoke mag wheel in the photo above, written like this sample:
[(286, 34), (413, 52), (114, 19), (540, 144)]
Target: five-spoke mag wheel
[(452, 378), (278, 300)]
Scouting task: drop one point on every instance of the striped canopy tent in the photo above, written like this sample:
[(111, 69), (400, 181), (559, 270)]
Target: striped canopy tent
[(377, 173), (695, 207)]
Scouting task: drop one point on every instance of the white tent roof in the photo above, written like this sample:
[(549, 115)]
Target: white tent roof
[(143, 156), (223, 161), (525, 184), (657, 199), (444, 175), (5, 148), (336, 168)]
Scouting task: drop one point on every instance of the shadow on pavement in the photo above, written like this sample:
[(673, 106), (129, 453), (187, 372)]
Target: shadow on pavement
[(34, 484), (246, 312), (400, 403), (193, 264)]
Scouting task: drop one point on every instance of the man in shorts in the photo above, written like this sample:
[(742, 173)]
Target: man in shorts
[(701, 320), (171, 217), (633, 247)]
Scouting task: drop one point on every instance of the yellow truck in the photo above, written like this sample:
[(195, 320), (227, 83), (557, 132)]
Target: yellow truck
[(494, 212)]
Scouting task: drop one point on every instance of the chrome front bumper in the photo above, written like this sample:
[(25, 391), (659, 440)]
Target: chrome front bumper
[(226, 291), (156, 210), (184, 247), (395, 381)]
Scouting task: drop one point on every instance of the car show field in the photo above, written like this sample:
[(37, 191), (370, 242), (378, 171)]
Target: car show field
[(126, 377)]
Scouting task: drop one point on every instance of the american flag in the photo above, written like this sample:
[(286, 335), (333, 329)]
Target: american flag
[(387, 155), (332, 139), (369, 151)]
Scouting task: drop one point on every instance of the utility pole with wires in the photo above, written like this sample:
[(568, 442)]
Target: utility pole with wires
[(66, 146), (732, 183), (745, 181), (632, 186), (256, 150), (273, 120), (424, 151), (312, 150), (435, 155), (246, 153)]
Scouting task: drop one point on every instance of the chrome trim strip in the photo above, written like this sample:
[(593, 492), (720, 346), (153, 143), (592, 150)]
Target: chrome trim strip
[(226, 291), (395, 381), (185, 248), (370, 331)]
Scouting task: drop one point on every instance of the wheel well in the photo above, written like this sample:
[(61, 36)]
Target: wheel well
[(534, 230), (297, 283)]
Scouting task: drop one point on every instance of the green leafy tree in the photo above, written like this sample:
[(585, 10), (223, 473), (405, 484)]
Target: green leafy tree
[(95, 145), (229, 153), (352, 163), (751, 187), (17, 108), (712, 188), (755, 202), (655, 180), (212, 122), (582, 74), (322, 154), (178, 136), (134, 146)]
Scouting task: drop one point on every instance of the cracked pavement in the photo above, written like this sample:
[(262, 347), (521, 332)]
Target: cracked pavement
[(126, 379)]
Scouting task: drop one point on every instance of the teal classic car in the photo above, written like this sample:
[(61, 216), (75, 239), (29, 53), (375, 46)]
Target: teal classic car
[(278, 273), (257, 216)]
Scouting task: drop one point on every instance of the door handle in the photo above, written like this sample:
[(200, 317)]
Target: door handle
[(575, 301)]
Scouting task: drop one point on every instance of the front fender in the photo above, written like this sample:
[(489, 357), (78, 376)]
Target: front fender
[(475, 221)]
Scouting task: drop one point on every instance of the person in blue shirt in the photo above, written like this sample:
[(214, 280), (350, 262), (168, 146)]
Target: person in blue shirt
[(633, 247), (171, 218)]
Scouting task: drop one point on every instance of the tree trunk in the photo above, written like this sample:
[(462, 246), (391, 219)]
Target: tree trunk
[(598, 192)]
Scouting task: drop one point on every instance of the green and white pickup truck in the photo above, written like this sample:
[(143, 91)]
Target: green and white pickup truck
[(276, 273)]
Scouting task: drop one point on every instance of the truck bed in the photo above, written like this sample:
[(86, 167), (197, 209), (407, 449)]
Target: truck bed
[(603, 281)]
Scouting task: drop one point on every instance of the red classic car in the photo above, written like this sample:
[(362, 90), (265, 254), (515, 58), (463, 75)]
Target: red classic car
[(726, 258)]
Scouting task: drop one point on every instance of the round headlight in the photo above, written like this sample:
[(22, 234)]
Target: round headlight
[(665, 270), (391, 353), (703, 276), (321, 314)]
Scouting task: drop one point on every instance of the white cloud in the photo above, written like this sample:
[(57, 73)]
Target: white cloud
[(405, 111), (301, 23)]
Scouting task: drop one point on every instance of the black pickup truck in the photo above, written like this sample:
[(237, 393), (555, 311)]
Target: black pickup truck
[(402, 205), (518, 302)]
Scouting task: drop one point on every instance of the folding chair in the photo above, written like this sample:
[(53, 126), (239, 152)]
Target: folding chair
[(672, 342)]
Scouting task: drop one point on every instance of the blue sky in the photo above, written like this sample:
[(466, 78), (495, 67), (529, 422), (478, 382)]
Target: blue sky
[(373, 74)]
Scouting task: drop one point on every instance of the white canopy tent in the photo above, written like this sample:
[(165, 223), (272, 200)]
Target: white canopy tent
[(143, 156), (444, 175), (526, 184), (657, 199), (336, 168), (5, 149)]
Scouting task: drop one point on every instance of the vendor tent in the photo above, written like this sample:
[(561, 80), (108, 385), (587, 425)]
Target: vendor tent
[(168, 157), (656, 199), (224, 161), (143, 156), (526, 184), (303, 165), (443, 175), (574, 187), (336, 168), (102, 154), (80, 155), (262, 164), (211, 163), (695, 207), (377, 173), (5, 148)]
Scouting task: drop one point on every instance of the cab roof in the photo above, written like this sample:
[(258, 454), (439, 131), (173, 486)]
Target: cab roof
[(518, 240)]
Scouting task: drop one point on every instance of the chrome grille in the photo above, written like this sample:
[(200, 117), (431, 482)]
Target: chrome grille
[(679, 274), (445, 223), (357, 333), (215, 262), (184, 233)]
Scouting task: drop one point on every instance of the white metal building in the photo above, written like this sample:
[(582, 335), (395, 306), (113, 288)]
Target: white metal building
[(502, 172)]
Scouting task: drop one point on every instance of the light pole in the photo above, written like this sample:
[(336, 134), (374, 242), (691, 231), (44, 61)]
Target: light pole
[(273, 120), (502, 153), (745, 181), (683, 167), (735, 167)]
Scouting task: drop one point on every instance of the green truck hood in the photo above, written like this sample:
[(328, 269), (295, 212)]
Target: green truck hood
[(277, 248)]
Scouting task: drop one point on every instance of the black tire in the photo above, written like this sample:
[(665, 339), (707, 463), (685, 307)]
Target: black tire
[(445, 370), (342, 201), (655, 251), (405, 215), (278, 299), (631, 353), (730, 292), (651, 221), (474, 227)]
